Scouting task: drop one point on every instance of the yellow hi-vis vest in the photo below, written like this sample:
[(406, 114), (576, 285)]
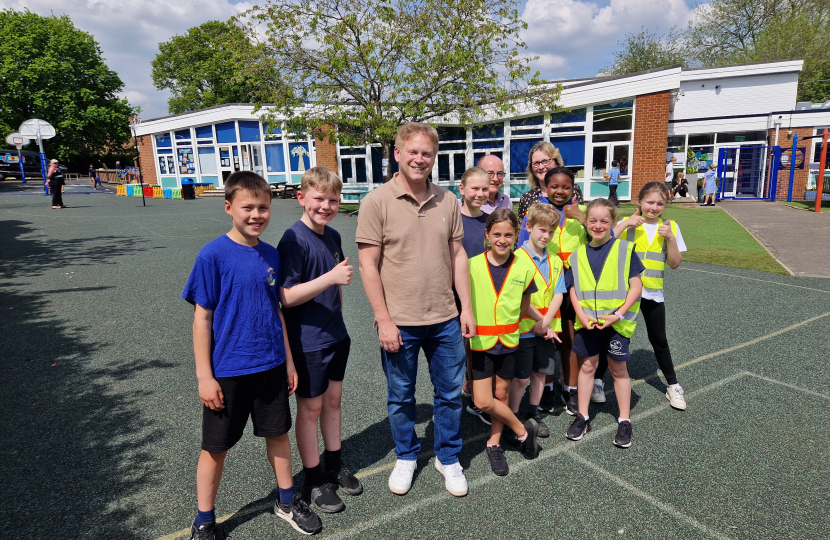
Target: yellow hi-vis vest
[(569, 236), (653, 255), (544, 294), (497, 312), (600, 299)]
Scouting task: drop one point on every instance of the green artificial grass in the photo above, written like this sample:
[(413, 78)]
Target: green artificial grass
[(807, 205)]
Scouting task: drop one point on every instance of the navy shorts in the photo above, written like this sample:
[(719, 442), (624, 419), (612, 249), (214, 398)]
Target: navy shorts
[(593, 342), (535, 354), (263, 396), (316, 368), (485, 365)]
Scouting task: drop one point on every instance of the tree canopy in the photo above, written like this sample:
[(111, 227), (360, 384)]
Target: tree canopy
[(51, 70), (199, 67), (648, 50), (355, 71)]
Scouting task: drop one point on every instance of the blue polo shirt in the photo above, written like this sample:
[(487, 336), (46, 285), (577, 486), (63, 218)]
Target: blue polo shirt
[(544, 268), (614, 176)]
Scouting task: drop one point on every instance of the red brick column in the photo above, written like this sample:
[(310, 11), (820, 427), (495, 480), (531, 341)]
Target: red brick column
[(800, 177), (148, 163), (651, 129), (326, 154)]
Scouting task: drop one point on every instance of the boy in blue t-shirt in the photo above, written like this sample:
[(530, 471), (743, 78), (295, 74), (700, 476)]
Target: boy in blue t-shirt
[(243, 363), (613, 182), (314, 269)]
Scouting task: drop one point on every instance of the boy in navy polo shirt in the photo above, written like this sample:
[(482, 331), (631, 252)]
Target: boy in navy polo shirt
[(243, 362), (314, 269)]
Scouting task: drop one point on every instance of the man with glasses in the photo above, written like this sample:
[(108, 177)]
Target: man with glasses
[(495, 170)]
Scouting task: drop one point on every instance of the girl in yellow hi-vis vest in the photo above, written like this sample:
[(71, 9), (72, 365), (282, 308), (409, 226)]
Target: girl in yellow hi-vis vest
[(605, 286), (500, 289), (658, 243)]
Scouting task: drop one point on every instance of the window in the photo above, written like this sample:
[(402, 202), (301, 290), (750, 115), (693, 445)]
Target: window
[(741, 136), (163, 140), (248, 131), (204, 132), (568, 117), (614, 116), (527, 126), (600, 160), (274, 159), (207, 160), (226, 133), (610, 137), (183, 135)]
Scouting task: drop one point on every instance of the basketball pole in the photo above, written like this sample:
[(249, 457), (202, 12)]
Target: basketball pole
[(133, 122), (820, 176)]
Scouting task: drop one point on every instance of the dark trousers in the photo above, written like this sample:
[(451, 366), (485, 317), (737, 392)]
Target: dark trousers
[(654, 315), (612, 195), (57, 199)]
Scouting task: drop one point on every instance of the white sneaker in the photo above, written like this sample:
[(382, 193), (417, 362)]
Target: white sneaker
[(401, 478), (454, 479), (674, 393), (598, 393)]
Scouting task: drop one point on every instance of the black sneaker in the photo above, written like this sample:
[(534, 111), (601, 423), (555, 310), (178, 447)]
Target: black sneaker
[(299, 515), (578, 428), (572, 405), (547, 404), (205, 531), (497, 461), (323, 498), (530, 446), (623, 438), (347, 481), (483, 416), (508, 437), (544, 431)]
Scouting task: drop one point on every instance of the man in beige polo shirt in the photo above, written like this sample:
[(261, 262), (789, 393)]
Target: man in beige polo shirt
[(409, 239)]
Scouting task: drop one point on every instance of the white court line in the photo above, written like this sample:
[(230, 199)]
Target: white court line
[(788, 385), (664, 507), (754, 279)]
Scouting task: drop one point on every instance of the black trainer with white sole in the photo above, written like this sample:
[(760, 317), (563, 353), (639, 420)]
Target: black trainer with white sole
[(299, 515), (623, 437), (530, 446), (578, 428), (324, 499)]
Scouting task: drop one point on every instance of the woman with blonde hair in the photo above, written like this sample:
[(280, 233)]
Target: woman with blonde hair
[(541, 158)]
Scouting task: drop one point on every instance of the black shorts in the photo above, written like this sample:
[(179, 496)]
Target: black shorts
[(485, 365), (593, 342), (566, 310), (316, 368), (263, 396), (535, 354)]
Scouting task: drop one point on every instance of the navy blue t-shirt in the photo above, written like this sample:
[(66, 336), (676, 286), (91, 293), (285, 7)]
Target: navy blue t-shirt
[(306, 255), (499, 274), (473, 240), (239, 284), (596, 258)]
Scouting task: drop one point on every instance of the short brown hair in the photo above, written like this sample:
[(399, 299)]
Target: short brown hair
[(552, 153), (321, 179), (408, 130), (247, 180), (542, 214)]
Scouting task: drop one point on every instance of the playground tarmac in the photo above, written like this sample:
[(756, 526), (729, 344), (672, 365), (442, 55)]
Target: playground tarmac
[(798, 238), (101, 422)]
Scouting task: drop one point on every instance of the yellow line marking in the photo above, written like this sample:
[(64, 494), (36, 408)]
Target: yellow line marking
[(754, 279), (428, 455)]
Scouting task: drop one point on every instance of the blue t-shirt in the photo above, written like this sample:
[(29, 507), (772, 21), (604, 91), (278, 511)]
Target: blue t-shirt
[(473, 240), (306, 255), (239, 284), (596, 258), (614, 176), (543, 266)]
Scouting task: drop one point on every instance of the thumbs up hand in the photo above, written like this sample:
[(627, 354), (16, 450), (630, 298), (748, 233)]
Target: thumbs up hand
[(636, 219), (572, 210), (342, 273), (665, 231)]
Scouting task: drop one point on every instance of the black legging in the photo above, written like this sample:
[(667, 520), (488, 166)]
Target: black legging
[(57, 199), (612, 195), (654, 315)]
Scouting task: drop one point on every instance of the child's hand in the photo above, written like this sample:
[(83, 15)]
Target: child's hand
[(587, 321), (635, 219), (665, 231), (210, 394), (537, 329), (551, 335), (292, 378), (572, 210), (342, 273), (608, 321)]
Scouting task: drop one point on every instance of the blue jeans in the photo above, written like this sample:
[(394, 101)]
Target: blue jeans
[(444, 351)]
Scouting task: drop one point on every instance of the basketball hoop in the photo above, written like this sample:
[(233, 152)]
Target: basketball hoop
[(134, 121)]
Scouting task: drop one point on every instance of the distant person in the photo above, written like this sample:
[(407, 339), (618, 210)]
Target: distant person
[(680, 186), (710, 186), (56, 181), (670, 170), (244, 365), (117, 165), (613, 182), (94, 178), (314, 272), (494, 167)]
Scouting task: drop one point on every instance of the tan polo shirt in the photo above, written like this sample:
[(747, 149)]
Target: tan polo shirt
[(415, 266)]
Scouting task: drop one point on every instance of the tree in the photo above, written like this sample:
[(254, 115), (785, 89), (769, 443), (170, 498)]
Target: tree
[(199, 67), (645, 50), (356, 70), (51, 70)]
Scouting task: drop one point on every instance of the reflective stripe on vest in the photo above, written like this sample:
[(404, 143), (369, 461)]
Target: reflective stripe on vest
[(568, 238), (497, 312), (544, 295), (599, 299), (652, 255)]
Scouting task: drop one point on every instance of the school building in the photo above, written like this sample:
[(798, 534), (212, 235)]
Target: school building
[(742, 117)]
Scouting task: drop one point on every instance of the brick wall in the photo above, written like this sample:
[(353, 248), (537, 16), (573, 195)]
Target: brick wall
[(651, 128), (148, 164), (326, 154), (800, 177)]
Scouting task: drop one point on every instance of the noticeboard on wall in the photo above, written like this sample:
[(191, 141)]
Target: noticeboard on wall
[(786, 157)]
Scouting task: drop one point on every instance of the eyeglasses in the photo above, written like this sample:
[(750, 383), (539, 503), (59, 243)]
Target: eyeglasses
[(543, 163), (499, 175)]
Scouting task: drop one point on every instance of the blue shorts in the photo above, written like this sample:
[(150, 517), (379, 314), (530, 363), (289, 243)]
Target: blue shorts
[(593, 342), (316, 368)]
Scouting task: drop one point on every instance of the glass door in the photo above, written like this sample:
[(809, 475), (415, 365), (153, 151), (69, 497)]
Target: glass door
[(225, 166), (252, 159)]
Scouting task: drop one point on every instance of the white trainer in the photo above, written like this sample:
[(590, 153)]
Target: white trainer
[(401, 478), (598, 392), (674, 393), (454, 479)]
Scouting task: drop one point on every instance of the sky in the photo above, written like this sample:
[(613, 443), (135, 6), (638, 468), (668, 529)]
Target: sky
[(572, 38)]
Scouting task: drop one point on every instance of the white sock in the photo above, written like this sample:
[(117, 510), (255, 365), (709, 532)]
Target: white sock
[(621, 420), (599, 381), (586, 418), (569, 388), (549, 386), (675, 385)]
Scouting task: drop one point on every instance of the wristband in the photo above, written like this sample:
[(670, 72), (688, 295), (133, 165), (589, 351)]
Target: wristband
[(617, 313)]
